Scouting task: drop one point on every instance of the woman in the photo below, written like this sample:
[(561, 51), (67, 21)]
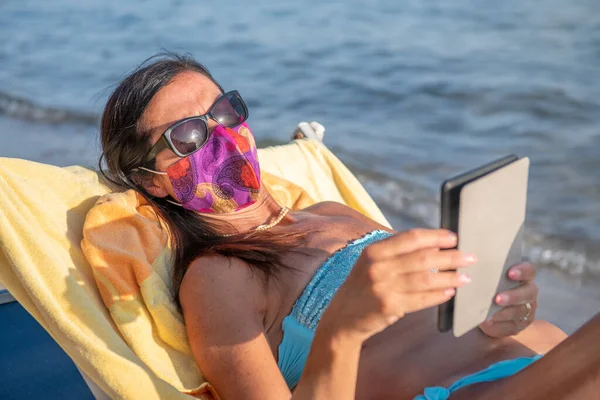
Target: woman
[(275, 300)]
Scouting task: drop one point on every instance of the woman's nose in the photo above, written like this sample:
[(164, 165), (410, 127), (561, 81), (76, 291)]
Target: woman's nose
[(212, 124)]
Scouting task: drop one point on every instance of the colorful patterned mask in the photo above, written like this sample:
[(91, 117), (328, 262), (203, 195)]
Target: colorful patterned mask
[(223, 176)]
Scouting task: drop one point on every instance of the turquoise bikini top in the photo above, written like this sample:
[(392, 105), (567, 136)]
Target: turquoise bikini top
[(299, 327)]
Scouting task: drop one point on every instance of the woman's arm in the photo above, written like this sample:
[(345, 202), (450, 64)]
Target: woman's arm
[(223, 304)]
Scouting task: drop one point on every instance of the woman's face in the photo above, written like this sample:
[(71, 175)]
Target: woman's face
[(188, 94)]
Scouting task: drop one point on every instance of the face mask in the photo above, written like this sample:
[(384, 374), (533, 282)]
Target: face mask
[(223, 176)]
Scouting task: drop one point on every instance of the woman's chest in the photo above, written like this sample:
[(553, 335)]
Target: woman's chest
[(323, 240)]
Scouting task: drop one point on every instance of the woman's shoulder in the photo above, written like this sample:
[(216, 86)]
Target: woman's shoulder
[(224, 281), (336, 209), (220, 272), (331, 208)]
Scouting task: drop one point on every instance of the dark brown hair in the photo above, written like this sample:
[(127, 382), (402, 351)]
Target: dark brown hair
[(123, 150)]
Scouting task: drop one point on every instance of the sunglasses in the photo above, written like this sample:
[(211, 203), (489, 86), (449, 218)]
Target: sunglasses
[(190, 134)]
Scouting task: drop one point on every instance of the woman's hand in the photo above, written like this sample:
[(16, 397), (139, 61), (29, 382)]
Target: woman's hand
[(516, 315), (404, 273)]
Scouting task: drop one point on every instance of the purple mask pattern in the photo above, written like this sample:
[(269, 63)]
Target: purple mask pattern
[(223, 176)]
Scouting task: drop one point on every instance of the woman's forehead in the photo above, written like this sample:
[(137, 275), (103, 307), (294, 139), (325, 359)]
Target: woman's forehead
[(188, 94)]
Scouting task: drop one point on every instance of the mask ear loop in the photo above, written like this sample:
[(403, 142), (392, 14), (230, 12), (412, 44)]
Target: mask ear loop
[(174, 202), (160, 173), (151, 170)]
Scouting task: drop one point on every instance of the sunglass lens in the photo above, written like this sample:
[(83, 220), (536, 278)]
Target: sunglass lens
[(230, 110), (189, 136)]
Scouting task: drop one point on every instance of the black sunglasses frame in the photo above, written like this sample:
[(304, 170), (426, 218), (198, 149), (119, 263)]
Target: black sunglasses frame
[(165, 139)]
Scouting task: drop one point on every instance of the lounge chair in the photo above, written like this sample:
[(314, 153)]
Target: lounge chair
[(42, 212)]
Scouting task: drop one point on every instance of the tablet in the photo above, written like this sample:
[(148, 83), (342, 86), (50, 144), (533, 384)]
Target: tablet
[(485, 207)]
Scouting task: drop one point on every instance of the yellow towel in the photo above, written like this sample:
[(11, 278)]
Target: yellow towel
[(312, 166), (42, 211), (136, 349)]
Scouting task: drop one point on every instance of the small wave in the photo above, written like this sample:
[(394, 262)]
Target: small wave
[(578, 257), (407, 199), (21, 108), (573, 256)]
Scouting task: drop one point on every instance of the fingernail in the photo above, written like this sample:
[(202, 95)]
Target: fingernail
[(470, 258), (452, 237), (449, 292), (514, 274), (464, 278), (502, 299)]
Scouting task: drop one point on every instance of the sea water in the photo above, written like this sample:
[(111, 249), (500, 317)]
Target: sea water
[(410, 93)]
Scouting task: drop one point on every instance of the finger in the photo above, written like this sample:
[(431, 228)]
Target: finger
[(427, 281), (522, 272), (410, 241), (424, 261), (419, 301), (513, 313), (427, 260), (526, 293)]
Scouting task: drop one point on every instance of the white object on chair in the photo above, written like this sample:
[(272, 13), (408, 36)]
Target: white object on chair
[(314, 130)]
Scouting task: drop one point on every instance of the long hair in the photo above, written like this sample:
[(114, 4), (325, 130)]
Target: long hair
[(124, 148)]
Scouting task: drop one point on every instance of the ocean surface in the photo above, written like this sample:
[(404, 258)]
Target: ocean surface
[(410, 92)]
